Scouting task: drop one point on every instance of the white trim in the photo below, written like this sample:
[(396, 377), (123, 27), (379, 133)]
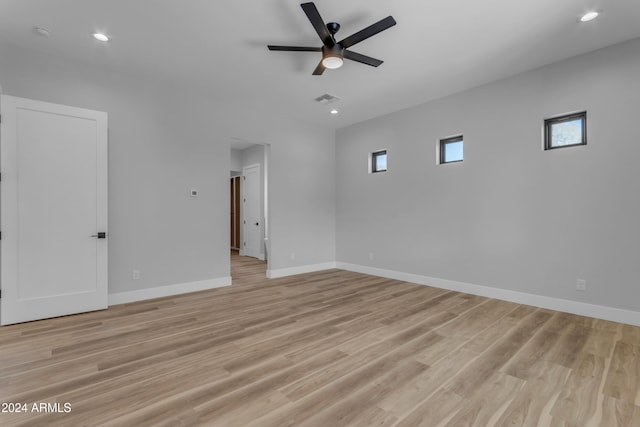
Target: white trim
[(283, 272), (168, 290), (568, 306), (261, 256)]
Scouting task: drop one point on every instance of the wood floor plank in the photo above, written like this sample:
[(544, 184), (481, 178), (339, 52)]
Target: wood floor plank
[(478, 318), (441, 407), (531, 406), (406, 399), (488, 401), (349, 410), (348, 383), (578, 401), (617, 413), (230, 408), (329, 348), (161, 409), (570, 345), (623, 378), (523, 363), (498, 354), (374, 416), (603, 341)]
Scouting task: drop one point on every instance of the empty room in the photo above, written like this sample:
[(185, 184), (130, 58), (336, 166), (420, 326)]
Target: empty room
[(319, 214)]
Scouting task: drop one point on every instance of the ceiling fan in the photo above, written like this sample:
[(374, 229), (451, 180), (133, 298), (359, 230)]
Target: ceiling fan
[(333, 53)]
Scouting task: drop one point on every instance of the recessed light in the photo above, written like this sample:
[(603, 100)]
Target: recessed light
[(589, 16), (41, 31), (101, 37), (334, 112)]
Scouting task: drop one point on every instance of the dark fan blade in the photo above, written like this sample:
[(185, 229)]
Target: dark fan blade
[(317, 22), (371, 30), (319, 69), (295, 48), (362, 58)]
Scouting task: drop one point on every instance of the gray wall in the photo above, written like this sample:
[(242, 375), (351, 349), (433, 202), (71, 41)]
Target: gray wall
[(164, 141), (235, 163), (511, 216)]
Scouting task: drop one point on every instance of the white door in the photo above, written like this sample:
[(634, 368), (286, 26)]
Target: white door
[(53, 160), (252, 235)]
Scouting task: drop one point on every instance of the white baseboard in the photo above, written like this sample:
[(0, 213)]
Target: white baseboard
[(168, 290), (558, 304), (283, 272), (261, 257)]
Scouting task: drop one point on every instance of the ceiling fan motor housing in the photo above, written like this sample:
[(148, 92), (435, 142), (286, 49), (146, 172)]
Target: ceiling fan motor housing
[(335, 50)]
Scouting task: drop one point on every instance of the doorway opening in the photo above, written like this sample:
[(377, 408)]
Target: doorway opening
[(248, 205)]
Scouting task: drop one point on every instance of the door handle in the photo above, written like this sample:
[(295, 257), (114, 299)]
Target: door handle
[(257, 223), (100, 235)]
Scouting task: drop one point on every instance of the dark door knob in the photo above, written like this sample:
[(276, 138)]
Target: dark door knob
[(257, 223), (100, 235)]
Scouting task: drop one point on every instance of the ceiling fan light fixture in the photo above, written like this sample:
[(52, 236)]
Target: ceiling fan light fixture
[(332, 56), (332, 62)]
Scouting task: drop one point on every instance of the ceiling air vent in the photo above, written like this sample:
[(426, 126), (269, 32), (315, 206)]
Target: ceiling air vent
[(327, 98)]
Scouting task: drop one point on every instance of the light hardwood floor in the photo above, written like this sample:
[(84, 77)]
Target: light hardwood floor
[(326, 349)]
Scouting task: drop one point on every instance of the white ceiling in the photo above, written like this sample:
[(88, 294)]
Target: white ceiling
[(439, 47)]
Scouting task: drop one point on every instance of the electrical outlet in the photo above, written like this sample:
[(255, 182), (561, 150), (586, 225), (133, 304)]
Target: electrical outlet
[(371, 256), (135, 275), (293, 255), (581, 285)]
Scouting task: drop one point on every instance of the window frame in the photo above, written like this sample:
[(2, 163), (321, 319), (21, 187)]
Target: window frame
[(450, 140), (374, 156), (548, 125)]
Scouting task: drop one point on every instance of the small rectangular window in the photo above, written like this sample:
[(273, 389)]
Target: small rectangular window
[(565, 131), (452, 149), (379, 161)]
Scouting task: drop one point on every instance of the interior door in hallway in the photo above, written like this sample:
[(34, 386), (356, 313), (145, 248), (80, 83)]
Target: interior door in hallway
[(54, 210), (252, 222)]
